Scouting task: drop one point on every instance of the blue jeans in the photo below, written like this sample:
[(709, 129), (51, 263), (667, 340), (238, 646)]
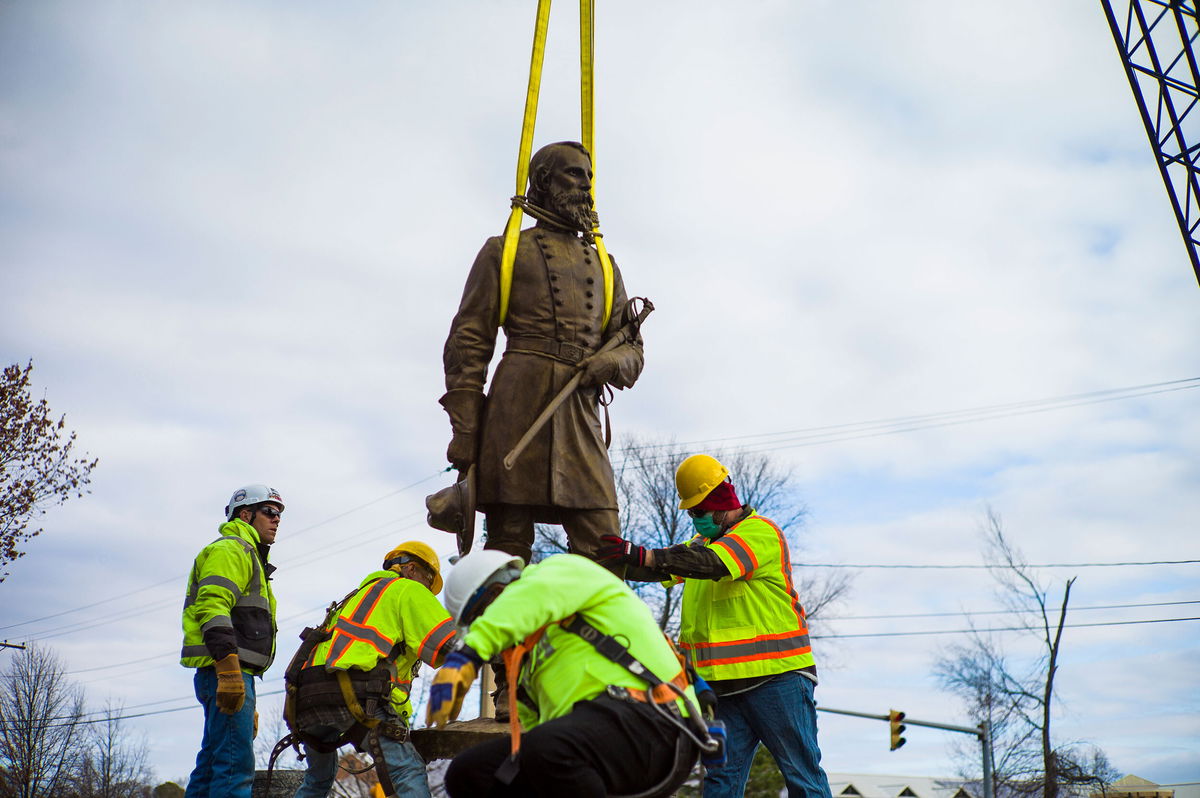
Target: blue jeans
[(404, 764), (225, 764), (760, 715)]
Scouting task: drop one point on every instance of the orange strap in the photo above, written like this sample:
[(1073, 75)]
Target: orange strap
[(660, 693), (512, 669)]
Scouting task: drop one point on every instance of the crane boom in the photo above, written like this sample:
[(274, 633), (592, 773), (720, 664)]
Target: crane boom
[(1155, 39)]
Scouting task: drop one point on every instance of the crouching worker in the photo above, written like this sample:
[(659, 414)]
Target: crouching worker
[(350, 680), (601, 694)]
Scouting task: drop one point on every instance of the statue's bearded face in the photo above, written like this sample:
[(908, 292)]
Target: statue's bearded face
[(568, 188)]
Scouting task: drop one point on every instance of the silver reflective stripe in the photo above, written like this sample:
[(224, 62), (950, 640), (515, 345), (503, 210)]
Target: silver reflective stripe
[(253, 658), (220, 581), (216, 621), (194, 651), (251, 598), (258, 602)]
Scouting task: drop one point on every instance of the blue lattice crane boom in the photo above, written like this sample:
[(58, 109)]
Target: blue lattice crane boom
[(1155, 39)]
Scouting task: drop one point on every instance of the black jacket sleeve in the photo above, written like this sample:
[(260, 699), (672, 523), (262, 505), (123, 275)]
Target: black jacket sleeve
[(690, 560)]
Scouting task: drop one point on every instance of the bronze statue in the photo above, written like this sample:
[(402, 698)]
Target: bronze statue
[(554, 327)]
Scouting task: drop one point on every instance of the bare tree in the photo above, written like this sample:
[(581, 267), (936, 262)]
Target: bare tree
[(116, 764), (41, 733), (650, 516), (1018, 705), (37, 469)]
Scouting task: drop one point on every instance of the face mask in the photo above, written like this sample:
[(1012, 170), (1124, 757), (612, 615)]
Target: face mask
[(706, 527)]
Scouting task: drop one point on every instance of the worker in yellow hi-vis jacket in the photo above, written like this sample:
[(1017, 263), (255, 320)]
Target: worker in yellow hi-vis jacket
[(742, 625), (229, 637)]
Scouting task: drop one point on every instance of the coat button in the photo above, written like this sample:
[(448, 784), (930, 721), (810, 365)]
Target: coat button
[(557, 290), (589, 294), (553, 277), (590, 306), (590, 280), (558, 302)]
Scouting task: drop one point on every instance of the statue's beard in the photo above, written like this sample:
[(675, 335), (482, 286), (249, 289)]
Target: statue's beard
[(575, 207)]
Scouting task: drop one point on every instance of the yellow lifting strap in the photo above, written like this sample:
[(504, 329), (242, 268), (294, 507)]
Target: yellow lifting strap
[(588, 138)]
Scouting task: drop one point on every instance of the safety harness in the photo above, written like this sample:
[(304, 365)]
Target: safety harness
[(660, 694), (346, 699)]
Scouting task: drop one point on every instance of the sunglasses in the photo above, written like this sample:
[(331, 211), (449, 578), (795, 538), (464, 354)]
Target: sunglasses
[(271, 512), (699, 513)]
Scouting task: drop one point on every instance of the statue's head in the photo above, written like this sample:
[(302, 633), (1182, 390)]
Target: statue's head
[(560, 180)]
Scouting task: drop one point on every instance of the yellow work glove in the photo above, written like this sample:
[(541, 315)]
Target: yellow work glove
[(450, 686), (231, 689)]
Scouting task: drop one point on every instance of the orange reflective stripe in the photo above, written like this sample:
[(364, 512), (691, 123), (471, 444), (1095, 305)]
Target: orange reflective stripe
[(741, 553), (785, 562), (437, 638), (776, 646)]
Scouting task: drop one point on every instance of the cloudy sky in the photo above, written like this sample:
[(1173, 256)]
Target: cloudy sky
[(232, 236)]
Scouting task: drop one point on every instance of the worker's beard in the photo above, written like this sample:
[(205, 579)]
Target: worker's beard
[(575, 207)]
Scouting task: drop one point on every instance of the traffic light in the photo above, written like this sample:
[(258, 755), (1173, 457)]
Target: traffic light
[(894, 718)]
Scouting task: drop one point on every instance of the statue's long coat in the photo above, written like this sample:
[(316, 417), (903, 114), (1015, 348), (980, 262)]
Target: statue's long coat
[(557, 296)]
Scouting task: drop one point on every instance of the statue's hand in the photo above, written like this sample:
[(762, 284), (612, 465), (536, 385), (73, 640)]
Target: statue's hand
[(600, 369), (461, 451)]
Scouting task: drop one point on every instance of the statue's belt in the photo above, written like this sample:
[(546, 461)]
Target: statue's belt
[(559, 350)]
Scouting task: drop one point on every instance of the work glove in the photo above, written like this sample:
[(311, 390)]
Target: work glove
[(255, 735), (600, 369), (231, 689), (450, 686), (614, 549)]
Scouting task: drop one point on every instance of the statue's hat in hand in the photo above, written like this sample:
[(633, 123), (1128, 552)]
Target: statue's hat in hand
[(452, 510)]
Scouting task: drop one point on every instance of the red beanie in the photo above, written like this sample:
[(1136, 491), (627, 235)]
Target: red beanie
[(722, 497)]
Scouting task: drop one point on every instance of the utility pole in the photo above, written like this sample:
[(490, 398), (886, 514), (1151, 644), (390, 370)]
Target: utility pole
[(6, 644), (982, 732)]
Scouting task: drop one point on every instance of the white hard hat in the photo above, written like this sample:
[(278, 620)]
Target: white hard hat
[(251, 494), (472, 573)]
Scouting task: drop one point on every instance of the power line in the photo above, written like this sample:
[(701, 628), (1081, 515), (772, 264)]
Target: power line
[(176, 579), (1025, 565), (998, 612), (145, 609), (1105, 394), (995, 629), (817, 436)]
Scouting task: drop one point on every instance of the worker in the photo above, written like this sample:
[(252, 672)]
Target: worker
[(742, 626), (593, 727), (555, 322), (229, 637), (374, 641)]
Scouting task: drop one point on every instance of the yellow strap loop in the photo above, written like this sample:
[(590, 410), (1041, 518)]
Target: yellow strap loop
[(587, 118), (512, 230)]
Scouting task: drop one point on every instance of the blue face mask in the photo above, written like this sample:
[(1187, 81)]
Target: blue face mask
[(706, 527)]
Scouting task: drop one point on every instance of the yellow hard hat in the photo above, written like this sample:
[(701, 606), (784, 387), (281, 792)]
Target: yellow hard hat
[(423, 552), (696, 477)]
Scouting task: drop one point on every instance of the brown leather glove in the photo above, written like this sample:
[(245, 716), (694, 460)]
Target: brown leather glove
[(255, 736), (231, 689), (600, 369)]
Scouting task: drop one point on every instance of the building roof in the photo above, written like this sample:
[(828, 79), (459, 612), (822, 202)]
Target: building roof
[(873, 785)]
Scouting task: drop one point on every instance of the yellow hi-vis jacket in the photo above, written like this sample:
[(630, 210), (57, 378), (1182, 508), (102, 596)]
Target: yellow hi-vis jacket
[(228, 587), (749, 623), (393, 619), (563, 668)]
